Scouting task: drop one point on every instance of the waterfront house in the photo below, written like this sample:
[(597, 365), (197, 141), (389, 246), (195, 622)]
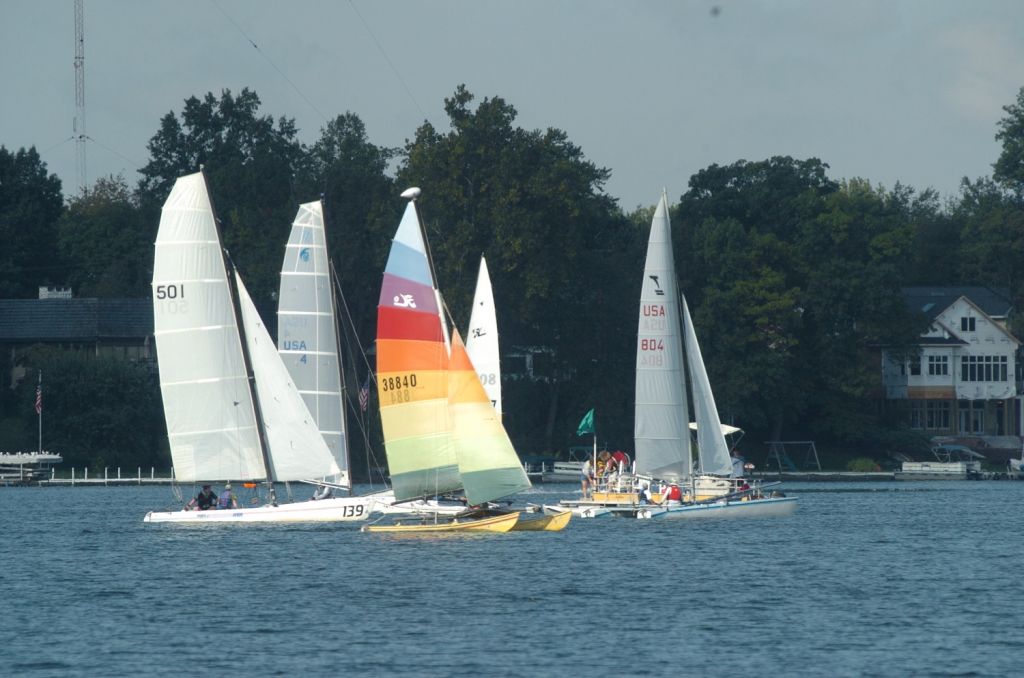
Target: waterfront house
[(117, 327), (964, 380)]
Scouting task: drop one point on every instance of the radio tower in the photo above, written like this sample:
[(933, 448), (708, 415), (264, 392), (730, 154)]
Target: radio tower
[(79, 123)]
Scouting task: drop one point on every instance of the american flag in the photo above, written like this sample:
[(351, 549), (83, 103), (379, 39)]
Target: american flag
[(39, 395), (364, 394)]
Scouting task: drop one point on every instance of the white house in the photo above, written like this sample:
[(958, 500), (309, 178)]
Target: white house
[(964, 380)]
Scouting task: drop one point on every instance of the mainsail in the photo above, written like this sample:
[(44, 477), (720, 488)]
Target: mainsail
[(661, 432), (711, 445), (412, 370), (482, 341), (211, 423), (307, 331)]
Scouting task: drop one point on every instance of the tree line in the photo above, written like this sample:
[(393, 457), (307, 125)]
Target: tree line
[(793, 276)]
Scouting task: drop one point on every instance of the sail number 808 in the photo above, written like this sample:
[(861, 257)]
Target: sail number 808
[(399, 382)]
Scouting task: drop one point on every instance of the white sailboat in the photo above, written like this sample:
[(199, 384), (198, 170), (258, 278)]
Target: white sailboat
[(232, 410), (482, 341), (307, 333), (667, 349)]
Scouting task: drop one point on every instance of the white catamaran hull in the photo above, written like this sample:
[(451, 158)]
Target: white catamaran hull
[(336, 509), (386, 504), (769, 507)]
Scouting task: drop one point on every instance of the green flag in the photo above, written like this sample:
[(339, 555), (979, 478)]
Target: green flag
[(586, 424)]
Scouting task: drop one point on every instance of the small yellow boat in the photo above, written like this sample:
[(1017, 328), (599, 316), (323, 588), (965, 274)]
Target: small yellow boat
[(499, 523), (552, 523)]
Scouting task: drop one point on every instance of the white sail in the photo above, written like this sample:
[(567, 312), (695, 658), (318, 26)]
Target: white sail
[(482, 343), (711, 445), (296, 448), (661, 432), (211, 424), (307, 331)]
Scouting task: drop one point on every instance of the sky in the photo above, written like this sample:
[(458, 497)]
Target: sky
[(885, 90)]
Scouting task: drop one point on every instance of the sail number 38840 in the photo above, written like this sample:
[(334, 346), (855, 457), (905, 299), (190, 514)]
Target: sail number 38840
[(397, 388)]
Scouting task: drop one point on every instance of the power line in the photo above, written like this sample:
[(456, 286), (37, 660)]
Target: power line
[(269, 61), (387, 59)]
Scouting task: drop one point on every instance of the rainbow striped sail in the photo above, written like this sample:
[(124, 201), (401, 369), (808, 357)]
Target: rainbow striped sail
[(412, 370), (441, 432)]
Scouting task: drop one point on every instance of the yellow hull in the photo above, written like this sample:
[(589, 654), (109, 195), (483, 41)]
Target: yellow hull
[(502, 523), (552, 523)]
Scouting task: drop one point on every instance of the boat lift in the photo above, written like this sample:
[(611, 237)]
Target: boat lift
[(777, 451)]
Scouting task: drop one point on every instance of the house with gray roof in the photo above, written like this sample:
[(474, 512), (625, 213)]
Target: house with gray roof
[(963, 381), (117, 327)]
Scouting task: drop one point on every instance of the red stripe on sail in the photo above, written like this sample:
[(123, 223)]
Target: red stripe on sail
[(400, 323)]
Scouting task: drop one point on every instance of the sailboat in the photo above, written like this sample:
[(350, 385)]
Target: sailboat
[(441, 433), (308, 341), (232, 410), (482, 341), (667, 349), (308, 336)]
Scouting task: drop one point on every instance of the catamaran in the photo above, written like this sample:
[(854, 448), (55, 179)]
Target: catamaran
[(666, 347), (232, 410), (309, 344), (441, 433)]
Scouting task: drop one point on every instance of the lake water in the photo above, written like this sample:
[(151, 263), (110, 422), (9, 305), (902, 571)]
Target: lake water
[(880, 579)]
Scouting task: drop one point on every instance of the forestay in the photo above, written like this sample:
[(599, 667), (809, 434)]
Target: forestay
[(711, 445), (307, 331), (661, 433), (211, 424), (482, 342)]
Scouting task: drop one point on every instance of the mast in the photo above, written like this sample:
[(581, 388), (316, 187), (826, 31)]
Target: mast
[(229, 269), (332, 280)]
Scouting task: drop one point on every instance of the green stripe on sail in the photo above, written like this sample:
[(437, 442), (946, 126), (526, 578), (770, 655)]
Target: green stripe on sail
[(495, 483), (428, 482)]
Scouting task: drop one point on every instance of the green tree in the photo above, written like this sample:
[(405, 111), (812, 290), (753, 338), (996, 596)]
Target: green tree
[(30, 205), (249, 163), (105, 242), (1008, 170), (992, 237), (557, 247)]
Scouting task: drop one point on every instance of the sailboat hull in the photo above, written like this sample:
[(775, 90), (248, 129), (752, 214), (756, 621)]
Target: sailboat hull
[(770, 507), (547, 523), (335, 509), (499, 523)]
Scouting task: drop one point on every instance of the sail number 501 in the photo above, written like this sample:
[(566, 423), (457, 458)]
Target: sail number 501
[(170, 291)]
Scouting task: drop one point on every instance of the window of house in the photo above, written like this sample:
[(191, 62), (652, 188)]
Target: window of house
[(917, 415), (938, 414), (972, 416), (967, 324), (938, 365), (915, 366), (984, 368)]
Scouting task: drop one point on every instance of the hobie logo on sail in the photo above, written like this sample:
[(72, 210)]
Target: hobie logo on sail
[(404, 301), (304, 254), (657, 286)]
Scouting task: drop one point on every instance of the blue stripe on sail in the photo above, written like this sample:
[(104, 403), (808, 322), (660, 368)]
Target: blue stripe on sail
[(405, 262)]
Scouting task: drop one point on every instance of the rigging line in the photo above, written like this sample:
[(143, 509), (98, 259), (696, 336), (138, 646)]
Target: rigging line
[(387, 59), (56, 145), (269, 61), (135, 164)]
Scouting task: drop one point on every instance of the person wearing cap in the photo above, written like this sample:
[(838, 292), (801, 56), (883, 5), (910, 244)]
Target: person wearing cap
[(205, 500), (226, 499)]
